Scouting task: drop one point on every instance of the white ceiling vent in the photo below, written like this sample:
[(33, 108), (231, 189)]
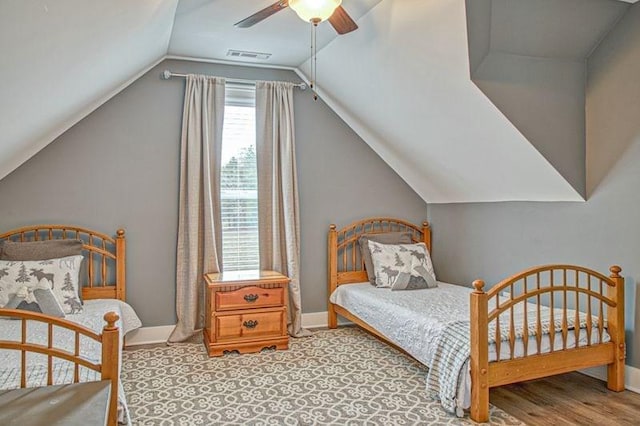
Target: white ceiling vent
[(248, 55)]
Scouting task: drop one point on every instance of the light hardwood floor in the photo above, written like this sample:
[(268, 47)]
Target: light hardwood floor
[(567, 399)]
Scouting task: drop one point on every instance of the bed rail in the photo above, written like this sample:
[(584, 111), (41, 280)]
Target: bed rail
[(564, 299), (104, 256), (109, 340)]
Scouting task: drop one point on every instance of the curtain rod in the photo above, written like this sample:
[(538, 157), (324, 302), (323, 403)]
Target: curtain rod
[(166, 75)]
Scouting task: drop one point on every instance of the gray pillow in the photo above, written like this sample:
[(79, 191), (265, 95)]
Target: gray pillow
[(382, 238), (45, 302), (43, 250), (40, 250)]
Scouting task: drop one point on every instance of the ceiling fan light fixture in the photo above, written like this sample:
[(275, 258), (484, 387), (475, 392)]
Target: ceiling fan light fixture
[(314, 11)]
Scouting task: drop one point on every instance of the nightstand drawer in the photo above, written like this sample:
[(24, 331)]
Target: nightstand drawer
[(245, 326), (249, 297)]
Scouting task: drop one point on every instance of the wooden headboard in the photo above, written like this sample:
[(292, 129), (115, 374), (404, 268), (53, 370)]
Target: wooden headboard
[(104, 256), (345, 262)]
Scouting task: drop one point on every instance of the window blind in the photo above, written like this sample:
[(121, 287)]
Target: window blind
[(239, 183)]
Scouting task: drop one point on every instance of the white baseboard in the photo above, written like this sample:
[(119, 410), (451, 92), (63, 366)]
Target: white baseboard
[(314, 320), (160, 334), (631, 376), (148, 335)]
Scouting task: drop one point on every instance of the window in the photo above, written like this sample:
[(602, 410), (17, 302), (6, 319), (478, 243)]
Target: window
[(239, 181)]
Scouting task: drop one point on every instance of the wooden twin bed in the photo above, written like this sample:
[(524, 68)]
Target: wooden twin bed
[(105, 279), (595, 298)]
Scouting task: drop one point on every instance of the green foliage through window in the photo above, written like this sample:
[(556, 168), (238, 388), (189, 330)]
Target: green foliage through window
[(239, 190)]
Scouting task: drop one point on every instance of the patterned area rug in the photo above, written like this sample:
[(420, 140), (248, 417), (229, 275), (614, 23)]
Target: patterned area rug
[(335, 377)]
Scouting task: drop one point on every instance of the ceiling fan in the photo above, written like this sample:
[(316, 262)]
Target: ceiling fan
[(314, 11)]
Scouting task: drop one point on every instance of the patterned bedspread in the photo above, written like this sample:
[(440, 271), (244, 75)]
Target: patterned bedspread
[(91, 317)]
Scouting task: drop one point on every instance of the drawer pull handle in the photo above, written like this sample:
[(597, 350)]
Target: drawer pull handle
[(250, 298), (250, 324)]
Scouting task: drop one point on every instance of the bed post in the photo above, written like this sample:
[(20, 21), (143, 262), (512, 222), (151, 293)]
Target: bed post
[(615, 320), (120, 271), (479, 353), (426, 235), (332, 278), (111, 362)]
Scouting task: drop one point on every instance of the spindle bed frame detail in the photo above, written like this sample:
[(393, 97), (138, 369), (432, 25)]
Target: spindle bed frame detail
[(602, 293), (102, 252)]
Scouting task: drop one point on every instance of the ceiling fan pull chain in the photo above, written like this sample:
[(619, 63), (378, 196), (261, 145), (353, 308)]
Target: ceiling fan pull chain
[(314, 60), (311, 83)]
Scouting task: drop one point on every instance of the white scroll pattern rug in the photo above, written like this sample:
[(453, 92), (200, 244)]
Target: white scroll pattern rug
[(335, 377)]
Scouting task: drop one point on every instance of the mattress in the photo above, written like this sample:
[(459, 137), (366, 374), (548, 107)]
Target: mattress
[(414, 320), (63, 371)]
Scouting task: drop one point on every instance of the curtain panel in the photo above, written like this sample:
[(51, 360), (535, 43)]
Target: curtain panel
[(199, 245), (278, 207)]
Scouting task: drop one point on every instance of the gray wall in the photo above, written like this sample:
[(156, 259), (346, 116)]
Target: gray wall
[(544, 99), (119, 168), (492, 241), (478, 31), (613, 98), (529, 59)]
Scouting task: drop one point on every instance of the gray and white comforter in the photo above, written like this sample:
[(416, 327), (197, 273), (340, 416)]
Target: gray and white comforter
[(92, 318)]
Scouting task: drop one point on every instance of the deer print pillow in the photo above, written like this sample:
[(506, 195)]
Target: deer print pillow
[(25, 277), (402, 266)]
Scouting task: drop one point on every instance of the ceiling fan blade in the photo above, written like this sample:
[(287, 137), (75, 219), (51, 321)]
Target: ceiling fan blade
[(342, 22), (263, 14)]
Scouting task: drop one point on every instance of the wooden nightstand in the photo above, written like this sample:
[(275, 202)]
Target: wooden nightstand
[(246, 311)]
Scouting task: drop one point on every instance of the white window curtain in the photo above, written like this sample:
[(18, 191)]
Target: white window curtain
[(199, 230), (279, 221)]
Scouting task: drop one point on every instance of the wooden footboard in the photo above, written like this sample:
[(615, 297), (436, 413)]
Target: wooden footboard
[(566, 291), (109, 340)]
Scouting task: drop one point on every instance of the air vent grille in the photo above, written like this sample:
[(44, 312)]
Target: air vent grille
[(248, 55)]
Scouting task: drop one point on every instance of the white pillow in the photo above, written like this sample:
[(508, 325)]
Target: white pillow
[(61, 275), (402, 266)]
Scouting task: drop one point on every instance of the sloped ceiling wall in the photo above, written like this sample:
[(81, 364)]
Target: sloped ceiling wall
[(402, 82), (61, 59)]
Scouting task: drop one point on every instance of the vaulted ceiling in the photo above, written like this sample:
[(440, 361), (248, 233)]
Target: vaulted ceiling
[(402, 81)]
